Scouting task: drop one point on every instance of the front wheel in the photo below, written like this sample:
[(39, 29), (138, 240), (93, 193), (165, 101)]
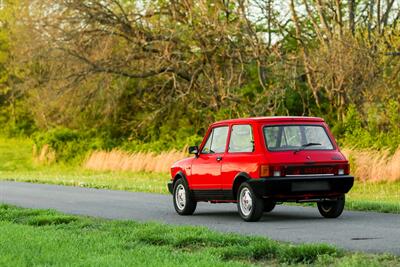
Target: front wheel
[(250, 206), (331, 208), (184, 204)]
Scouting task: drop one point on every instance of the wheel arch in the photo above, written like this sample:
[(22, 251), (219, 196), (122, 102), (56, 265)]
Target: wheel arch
[(240, 178), (179, 175)]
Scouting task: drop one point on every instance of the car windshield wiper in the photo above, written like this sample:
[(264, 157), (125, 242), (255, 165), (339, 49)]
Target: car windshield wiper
[(306, 145)]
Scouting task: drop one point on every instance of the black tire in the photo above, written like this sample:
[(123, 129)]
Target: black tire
[(187, 205), (331, 208), (269, 205), (255, 211)]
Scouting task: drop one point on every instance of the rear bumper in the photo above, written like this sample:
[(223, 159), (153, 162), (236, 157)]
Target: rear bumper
[(302, 187)]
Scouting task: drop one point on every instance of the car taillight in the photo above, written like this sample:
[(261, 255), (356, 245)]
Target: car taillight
[(343, 169), (271, 171), (264, 170)]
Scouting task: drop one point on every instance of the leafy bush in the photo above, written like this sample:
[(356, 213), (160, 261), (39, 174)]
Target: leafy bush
[(68, 145), (163, 144), (15, 120), (380, 129)]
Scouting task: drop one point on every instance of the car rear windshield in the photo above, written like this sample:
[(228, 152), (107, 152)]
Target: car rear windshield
[(294, 137)]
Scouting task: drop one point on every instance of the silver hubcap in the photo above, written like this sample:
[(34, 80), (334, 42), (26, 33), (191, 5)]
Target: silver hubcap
[(326, 207), (246, 201), (180, 197)]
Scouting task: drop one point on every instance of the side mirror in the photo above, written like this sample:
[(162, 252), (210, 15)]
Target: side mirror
[(194, 150)]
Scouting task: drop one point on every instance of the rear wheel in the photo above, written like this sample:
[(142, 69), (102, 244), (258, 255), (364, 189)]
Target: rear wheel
[(184, 204), (331, 208), (250, 206), (269, 205)]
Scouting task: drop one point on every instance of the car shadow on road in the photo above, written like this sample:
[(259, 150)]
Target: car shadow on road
[(279, 214), (267, 217)]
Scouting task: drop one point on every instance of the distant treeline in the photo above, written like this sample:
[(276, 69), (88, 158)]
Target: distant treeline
[(151, 75)]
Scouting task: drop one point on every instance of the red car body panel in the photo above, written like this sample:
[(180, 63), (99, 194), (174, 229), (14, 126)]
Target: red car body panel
[(205, 172)]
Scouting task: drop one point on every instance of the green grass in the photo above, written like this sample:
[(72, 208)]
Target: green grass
[(17, 164), (135, 182), (382, 197), (45, 237)]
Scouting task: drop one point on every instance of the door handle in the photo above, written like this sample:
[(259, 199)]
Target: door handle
[(219, 158)]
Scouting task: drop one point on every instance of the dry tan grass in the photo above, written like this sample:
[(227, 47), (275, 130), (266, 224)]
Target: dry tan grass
[(118, 160), (367, 165), (373, 165), (46, 155)]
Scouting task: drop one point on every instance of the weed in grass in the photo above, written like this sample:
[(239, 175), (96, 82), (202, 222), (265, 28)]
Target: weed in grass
[(307, 253), (363, 260), (51, 220), (34, 217), (255, 251)]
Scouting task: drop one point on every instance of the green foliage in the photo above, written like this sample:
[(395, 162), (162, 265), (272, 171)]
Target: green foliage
[(69, 145), (175, 133), (16, 120), (163, 144), (15, 155), (380, 129), (15, 117), (373, 206), (74, 109)]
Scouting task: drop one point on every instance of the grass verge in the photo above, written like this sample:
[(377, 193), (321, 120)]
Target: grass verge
[(17, 164), (45, 237), (380, 197)]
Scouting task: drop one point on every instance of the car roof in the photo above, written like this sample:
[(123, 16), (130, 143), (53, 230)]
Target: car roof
[(271, 119)]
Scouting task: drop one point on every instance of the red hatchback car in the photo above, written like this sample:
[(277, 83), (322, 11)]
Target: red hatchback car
[(258, 162)]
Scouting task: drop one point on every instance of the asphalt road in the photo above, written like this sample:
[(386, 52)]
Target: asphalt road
[(360, 231)]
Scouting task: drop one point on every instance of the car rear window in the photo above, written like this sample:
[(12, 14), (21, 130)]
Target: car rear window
[(292, 137)]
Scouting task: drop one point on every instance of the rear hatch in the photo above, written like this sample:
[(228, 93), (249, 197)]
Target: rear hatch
[(302, 149)]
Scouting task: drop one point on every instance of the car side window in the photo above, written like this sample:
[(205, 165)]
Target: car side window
[(241, 139), (216, 141)]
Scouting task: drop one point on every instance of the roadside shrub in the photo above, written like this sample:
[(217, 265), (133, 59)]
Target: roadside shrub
[(73, 146), (51, 219), (68, 145), (380, 129), (15, 120), (165, 143)]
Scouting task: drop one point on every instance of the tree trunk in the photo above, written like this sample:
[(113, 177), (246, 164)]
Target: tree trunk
[(351, 7), (339, 17), (370, 18), (304, 53), (378, 16)]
